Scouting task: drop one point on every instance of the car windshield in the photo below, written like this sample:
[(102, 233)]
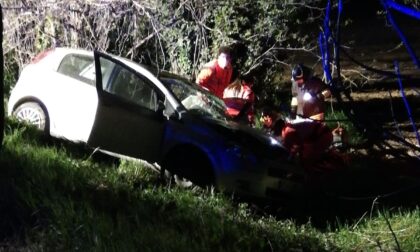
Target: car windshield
[(196, 99)]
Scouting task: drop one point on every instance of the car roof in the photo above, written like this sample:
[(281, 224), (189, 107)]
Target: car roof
[(67, 50), (62, 51), (150, 72)]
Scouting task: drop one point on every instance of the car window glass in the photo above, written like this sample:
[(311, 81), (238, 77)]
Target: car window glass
[(128, 85), (80, 67), (196, 99)]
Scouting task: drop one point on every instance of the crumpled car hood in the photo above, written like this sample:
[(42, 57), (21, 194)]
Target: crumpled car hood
[(257, 141)]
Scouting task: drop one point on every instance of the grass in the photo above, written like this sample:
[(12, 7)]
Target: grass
[(57, 196)]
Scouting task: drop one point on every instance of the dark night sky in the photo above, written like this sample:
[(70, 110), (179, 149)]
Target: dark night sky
[(361, 9)]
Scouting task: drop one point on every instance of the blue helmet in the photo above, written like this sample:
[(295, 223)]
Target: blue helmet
[(299, 71)]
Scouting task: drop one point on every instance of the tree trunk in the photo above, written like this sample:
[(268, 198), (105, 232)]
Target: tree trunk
[(1, 79)]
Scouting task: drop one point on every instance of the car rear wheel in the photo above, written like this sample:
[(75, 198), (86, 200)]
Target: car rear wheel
[(32, 113)]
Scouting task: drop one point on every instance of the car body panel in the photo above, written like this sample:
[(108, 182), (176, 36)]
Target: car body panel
[(71, 115)]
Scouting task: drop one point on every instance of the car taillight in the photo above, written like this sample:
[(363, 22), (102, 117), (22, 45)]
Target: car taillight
[(41, 55)]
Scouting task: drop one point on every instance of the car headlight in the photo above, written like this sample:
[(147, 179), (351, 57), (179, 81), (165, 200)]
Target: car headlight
[(274, 141)]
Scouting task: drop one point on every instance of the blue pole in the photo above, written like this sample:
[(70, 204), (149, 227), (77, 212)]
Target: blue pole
[(407, 106), (404, 9), (324, 42), (327, 20), (400, 34), (337, 42), (324, 56)]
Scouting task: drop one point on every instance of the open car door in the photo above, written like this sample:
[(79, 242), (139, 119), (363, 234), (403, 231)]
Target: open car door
[(128, 119)]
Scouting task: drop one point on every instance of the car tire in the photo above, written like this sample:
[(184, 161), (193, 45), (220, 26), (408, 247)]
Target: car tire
[(34, 114), (189, 166)]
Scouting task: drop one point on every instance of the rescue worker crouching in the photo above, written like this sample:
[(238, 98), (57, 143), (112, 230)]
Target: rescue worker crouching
[(272, 122)]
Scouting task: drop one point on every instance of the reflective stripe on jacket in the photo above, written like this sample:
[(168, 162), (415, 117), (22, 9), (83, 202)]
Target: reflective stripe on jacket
[(313, 106), (235, 99)]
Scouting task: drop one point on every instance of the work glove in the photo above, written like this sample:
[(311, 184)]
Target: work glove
[(320, 96), (310, 96)]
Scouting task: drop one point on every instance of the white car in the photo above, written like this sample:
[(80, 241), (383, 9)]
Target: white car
[(123, 108)]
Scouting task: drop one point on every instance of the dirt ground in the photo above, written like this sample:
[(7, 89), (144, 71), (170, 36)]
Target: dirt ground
[(384, 170), (377, 99)]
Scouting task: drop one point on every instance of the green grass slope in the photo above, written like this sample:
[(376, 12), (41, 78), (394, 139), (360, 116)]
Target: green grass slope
[(56, 196)]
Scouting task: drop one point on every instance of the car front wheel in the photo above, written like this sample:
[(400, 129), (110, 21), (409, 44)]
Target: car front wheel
[(182, 182), (189, 166), (32, 113)]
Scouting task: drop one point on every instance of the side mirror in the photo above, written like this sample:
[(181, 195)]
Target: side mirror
[(168, 112), (161, 106)]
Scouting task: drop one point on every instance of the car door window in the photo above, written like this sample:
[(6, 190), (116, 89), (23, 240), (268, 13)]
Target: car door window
[(80, 67), (130, 86)]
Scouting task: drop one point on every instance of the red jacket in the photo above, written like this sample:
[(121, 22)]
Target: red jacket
[(214, 78), (313, 106), (310, 138), (237, 97)]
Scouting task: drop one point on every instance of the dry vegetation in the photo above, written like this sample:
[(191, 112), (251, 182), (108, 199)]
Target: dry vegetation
[(387, 162)]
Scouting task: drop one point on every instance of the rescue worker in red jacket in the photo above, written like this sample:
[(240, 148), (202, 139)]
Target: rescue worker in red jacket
[(307, 135), (271, 121), (239, 99), (308, 94), (216, 75)]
